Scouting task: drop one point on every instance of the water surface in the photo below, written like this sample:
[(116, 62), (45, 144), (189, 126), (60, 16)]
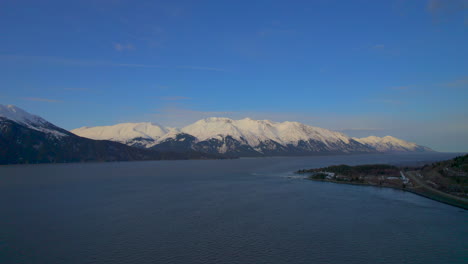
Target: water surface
[(220, 211)]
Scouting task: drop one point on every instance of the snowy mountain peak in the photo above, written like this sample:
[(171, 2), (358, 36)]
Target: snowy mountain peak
[(144, 133), (390, 138), (225, 135), (18, 115), (218, 135), (254, 132), (35, 122), (387, 139), (389, 143)]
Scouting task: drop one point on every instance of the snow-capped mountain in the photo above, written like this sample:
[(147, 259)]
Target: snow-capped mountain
[(132, 134), (263, 137), (254, 132), (27, 138), (391, 144), (18, 115), (248, 137)]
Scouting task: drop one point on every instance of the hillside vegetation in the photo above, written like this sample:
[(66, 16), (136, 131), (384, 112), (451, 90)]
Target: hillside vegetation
[(444, 181)]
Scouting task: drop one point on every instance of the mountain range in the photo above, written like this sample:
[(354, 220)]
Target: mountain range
[(27, 138), (245, 137)]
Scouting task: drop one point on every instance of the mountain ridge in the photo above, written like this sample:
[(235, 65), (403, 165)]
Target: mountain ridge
[(18, 115), (27, 138), (262, 138), (391, 144)]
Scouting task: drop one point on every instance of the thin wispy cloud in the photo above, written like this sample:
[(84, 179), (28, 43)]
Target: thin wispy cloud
[(75, 89), (136, 65), (162, 87), (123, 47), (378, 46), (37, 99), (434, 6), (439, 10), (385, 50), (400, 88), (274, 32), (174, 98), (445, 9), (446, 6), (389, 101), (201, 68), (457, 83), (72, 62), (93, 63)]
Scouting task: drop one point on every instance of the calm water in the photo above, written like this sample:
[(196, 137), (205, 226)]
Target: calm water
[(220, 211)]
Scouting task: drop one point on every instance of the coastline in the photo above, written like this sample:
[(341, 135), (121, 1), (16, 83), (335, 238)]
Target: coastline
[(446, 200)]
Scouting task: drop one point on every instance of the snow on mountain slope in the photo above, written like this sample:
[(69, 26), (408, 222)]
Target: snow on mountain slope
[(246, 137), (128, 133), (35, 122), (254, 132), (292, 132), (172, 133), (213, 127), (27, 138), (390, 144)]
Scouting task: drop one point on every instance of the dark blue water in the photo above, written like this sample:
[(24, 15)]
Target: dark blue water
[(220, 211)]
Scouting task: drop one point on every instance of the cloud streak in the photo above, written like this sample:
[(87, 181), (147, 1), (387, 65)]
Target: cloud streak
[(174, 98), (71, 62), (378, 46), (401, 88), (445, 9), (37, 99), (201, 68), (76, 89), (457, 83), (123, 47), (389, 101), (93, 63), (446, 6)]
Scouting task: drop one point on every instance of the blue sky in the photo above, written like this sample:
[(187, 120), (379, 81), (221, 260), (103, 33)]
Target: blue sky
[(365, 68)]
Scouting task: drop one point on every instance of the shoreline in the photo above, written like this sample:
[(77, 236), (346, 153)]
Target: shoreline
[(446, 200)]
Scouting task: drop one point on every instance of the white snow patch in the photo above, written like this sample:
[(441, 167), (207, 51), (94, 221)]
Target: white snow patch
[(22, 117), (124, 132), (388, 143), (254, 132), (247, 131)]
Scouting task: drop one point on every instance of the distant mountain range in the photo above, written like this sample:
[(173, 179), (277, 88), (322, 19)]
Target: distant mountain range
[(391, 144), (245, 137), (27, 138)]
